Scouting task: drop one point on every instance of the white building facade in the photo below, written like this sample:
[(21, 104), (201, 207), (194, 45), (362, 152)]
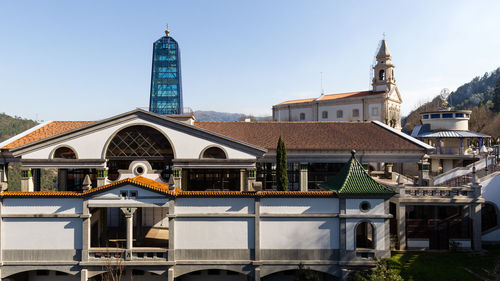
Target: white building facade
[(129, 196), (381, 103)]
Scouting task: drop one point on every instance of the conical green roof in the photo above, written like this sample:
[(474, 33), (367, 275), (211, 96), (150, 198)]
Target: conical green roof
[(353, 179)]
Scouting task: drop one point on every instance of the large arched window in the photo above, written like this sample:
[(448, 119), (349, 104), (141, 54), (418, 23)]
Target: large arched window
[(365, 236), (214, 153), (139, 143), (64, 153), (489, 216)]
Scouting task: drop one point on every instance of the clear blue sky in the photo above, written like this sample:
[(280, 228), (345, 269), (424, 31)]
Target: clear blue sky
[(87, 60)]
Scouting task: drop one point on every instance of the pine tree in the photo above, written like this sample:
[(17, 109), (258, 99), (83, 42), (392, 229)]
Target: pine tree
[(496, 97), (281, 166)]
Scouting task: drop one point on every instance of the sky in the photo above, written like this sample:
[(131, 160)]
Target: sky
[(89, 60)]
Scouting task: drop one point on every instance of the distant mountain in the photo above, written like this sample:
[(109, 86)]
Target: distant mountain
[(476, 95), (202, 115)]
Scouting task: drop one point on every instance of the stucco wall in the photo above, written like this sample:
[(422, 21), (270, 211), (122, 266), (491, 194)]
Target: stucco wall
[(214, 205), (42, 206), (379, 233), (42, 233), (91, 146), (376, 206), (214, 233), (299, 205), (299, 233), (490, 194)]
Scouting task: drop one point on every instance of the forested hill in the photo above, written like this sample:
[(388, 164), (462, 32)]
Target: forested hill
[(11, 126), (476, 95)]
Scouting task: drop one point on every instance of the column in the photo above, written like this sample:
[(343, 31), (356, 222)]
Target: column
[(303, 176), (461, 146), (85, 232), (3, 176), (256, 273), (171, 231), (26, 180), (102, 175), (129, 216), (170, 274), (62, 177), (342, 230), (84, 275), (177, 174), (257, 229), (475, 215), (401, 219), (243, 180), (252, 178), (423, 168)]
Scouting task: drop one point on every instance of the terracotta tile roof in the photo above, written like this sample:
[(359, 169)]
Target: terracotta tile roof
[(40, 194), (164, 188), (333, 97), (297, 101), (51, 129), (139, 180), (348, 95), (339, 136)]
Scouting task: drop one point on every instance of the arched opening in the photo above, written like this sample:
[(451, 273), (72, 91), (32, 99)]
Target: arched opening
[(139, 142), (302, 273), (365, 236), (489, 216), (64, 153), (214, 153), (381, 75), (214, 274), (127, 275), (42, 274)]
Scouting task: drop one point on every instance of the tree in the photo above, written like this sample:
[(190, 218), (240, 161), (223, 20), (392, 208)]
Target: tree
[(381, 272), (305, 274), (281, 166), (496, 96)]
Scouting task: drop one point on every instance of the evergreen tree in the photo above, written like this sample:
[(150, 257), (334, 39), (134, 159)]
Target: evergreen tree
[(281, 166), (496, 96)]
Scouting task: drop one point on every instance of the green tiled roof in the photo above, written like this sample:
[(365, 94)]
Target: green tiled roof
[(353, 179)]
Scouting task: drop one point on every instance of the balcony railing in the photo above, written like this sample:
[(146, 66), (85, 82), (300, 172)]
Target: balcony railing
[(149, 254), (438, 192)]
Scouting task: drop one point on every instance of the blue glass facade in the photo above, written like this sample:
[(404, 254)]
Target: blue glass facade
[(166, 83)]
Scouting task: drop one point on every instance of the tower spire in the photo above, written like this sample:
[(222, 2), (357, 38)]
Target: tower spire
[(167, 31)]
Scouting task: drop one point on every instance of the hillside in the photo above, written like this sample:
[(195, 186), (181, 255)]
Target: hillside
[(202, 115), (11, 126), (476, 95)]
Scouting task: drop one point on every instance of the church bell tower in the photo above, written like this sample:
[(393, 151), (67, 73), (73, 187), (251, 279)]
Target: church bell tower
[(383, 80)]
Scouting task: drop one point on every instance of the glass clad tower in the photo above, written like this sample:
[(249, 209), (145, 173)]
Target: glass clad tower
[(166, 84)]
